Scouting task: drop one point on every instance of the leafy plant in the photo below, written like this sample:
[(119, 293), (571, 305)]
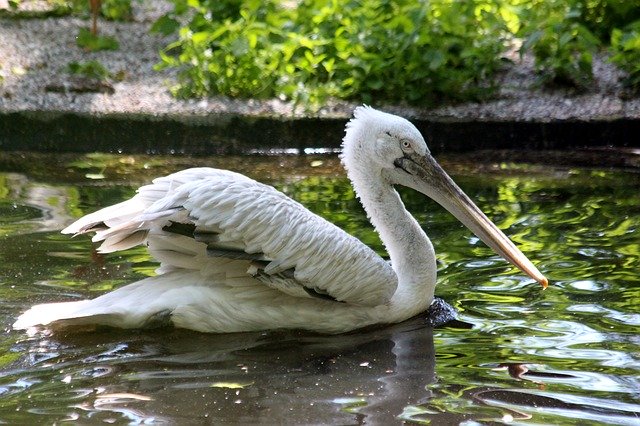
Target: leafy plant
[(93, 43), (602, 16), (417, 51), (117, 10), (113, 10), (53, 8), (168, 23), (91, 69), (563, 47), (165, 25), (625, 45)]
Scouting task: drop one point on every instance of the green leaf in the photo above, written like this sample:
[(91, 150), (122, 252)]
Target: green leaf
[(435, 59), (329, 65), (91, 69), (94, 176), (201, 37), (239, 47), (117, 10), (231, 385), (94, 43), (375, 84), (165, 25)]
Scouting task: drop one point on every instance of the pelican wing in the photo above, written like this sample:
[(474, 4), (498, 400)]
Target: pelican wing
[(205, 218)]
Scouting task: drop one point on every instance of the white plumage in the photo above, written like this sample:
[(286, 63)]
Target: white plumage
[(238, 255)]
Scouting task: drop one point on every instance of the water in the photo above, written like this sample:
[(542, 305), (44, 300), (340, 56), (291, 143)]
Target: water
[(566, 355)]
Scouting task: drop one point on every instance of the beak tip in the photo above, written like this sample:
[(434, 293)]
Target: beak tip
[(544, 282)]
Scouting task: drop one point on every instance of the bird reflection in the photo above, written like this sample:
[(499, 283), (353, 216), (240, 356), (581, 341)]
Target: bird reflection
[(270, 377), (375, 376)]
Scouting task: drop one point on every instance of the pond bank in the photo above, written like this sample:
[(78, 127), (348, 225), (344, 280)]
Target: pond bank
[(233, 133)]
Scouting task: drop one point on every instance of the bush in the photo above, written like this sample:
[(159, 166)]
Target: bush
[(90, 69), (562, 45), (625, 45), (113, 10), (116, 10), (93, 43), (602, 16), (418, 51), (563, 35)]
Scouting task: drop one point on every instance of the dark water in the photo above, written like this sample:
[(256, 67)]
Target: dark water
[(567, 355)]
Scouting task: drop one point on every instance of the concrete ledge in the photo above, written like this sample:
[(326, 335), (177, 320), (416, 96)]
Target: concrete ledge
[(230, 133)]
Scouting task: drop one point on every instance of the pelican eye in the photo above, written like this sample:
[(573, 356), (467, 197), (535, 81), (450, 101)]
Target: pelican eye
[(406, 145)]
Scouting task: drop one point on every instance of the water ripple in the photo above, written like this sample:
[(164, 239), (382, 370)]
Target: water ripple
[(573, 349)]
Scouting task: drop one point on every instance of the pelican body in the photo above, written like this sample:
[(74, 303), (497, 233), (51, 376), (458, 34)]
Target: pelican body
[(237, 255)]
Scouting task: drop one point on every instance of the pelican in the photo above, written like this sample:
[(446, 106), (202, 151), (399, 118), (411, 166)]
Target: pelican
[(237, 255)]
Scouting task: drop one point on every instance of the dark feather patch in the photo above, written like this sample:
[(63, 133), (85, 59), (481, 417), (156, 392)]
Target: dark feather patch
[(158, 320), (260, 264), (186, 229), (92, 227), (230, 253), (286, 278), (205, 237), (320, 295)]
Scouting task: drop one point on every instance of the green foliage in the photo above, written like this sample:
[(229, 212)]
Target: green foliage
[(420, 52), (563, 35), (94, 43), (416, 51), (165, 25), (625, 45), (116, 10), (562, 45), (53, 8), (91, 69), (601, 16), (113, 10)]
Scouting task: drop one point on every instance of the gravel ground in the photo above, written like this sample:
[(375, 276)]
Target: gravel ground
[(34, 55)]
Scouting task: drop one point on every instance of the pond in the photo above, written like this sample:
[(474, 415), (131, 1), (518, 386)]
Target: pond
[(518, 355)]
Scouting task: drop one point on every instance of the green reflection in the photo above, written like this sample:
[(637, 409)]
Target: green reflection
[(581, 227)]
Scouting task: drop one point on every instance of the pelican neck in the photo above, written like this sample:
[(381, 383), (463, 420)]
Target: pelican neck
[(411, 252)]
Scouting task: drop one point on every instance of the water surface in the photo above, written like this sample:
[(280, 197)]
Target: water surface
[(567, 355)]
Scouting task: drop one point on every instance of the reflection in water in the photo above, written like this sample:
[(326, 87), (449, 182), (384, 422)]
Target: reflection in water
[(568, 406), (563, 356), (288, 377), (42, 207)]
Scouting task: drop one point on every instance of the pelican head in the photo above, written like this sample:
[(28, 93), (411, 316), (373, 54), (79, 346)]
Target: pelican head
[(390, 150)]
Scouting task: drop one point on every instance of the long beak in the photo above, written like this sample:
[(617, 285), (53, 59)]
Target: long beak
[(428, 177)]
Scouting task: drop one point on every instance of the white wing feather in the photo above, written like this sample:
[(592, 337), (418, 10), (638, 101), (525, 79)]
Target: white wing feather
[(250, 215)]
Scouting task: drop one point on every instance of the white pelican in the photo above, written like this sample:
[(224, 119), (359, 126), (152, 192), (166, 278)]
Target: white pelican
[(237, 255)]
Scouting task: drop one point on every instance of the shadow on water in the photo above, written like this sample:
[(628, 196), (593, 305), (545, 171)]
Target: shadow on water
[(563, 356), (279, 377), (368, 377)]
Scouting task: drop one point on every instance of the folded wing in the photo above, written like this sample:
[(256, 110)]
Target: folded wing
[(201, 218)]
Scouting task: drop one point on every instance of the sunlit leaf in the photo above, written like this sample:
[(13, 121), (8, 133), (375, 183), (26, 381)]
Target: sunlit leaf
[(231, 385), (94, 176)]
